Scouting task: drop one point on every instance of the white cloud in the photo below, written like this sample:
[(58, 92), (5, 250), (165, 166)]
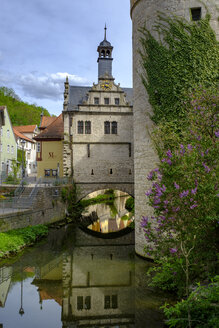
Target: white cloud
[(41, 86), (47, 86)]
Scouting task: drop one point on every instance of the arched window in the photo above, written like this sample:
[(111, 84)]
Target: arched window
[(108, 53), (102, 53), (80, 127), (107, 127), (114, 127), (87, 127)]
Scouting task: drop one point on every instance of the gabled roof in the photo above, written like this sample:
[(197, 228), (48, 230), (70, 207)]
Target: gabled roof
[(26, 128), (46, 121), (79, 94), (55, 131), (20, 135)]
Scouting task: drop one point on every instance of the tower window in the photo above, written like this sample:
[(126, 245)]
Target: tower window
[(116, 101), (130, 150), (96, 101), (114, 127), (107, 127), (88, 150), (108, 53), (196, 13), (87, 127), (106, 101), (111, 171), (92, 172), (102, 53), (80, 127)]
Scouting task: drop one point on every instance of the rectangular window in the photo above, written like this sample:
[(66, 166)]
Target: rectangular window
[(87, 303), (107, 302), (130, 150), (96, 101), (87, 127), (114, 301), (114, 127), (88, 150), (8, 133), (116, 101), (196, 13), (12, 149), (38, 147), (8, 148), (80, 127), (80, 303), (107, 127), (47, 173), (106, 101), (28, 155), (54, 173)]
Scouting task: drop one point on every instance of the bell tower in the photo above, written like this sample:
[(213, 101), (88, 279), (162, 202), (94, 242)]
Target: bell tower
[(105, 58)]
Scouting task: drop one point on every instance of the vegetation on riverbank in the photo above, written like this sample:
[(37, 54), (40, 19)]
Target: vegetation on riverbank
[(182, 234), (14, 240)]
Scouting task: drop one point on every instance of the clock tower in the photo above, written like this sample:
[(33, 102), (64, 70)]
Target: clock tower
[(105, 58)]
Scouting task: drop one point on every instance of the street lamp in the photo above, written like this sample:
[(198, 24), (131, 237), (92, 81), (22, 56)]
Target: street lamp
[(21, 310), (23, 144)]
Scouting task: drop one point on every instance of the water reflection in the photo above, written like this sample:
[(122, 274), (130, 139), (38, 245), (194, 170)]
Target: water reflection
[(109, 217), (90, 283)]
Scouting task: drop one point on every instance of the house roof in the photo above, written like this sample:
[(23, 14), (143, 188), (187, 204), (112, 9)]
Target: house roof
[(79, 94), (46, 121), (26, 128), (54, 131), (20, 135)]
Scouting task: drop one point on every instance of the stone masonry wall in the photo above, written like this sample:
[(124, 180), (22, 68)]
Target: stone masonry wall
[(145, 158), (47, 208)]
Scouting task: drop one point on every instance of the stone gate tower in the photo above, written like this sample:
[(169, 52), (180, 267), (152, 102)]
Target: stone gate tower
[(145, 12)]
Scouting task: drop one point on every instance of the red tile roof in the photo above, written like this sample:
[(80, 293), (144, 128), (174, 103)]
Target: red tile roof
[(26, 128), (54, 131), (20, 135), (46, 121)]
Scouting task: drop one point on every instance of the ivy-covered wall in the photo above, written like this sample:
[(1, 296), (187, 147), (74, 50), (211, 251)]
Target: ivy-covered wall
[(185, 57)]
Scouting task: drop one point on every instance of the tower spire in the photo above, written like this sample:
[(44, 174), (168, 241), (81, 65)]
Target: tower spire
[(105, 28)]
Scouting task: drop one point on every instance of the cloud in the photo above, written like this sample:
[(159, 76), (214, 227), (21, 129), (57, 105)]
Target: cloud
[(47, 86), (41, 86)]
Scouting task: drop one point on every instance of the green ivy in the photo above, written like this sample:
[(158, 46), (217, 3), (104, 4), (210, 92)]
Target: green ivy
[(186, 56)]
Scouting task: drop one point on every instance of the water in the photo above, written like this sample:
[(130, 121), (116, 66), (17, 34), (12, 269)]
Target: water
[(74, 278)]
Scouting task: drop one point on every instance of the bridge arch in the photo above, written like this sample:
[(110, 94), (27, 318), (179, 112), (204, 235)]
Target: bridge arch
[(85, 189)]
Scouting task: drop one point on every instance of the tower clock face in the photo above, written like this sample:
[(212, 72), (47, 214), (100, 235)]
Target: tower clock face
[(106, 85)]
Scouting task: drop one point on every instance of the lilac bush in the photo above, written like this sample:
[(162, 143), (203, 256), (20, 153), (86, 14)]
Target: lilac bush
[(184, 191)]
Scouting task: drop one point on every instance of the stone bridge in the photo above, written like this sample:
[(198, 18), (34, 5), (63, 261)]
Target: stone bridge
[(85, 188)]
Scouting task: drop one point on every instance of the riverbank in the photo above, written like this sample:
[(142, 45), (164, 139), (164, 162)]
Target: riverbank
[(11, 242)]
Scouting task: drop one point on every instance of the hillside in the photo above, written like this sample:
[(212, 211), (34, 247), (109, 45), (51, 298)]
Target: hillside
[(21, 113)]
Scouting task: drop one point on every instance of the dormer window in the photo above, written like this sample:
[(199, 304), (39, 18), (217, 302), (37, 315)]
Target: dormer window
[(196, 13), (96, 101), (106, 101), (116, 101)]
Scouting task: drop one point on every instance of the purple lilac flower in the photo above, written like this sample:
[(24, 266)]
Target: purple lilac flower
[(193, 206), (173, 250), (166, 202), (150, 175), (157, 201), (184, 193), (217, 133), (169, 161), (144, 221), (207, 169), (189, 147), (169, 154), (193, 191), (149, 192), (176, 209), (176, 185)]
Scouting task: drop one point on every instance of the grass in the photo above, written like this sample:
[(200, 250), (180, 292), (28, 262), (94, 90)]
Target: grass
[(14, 240)]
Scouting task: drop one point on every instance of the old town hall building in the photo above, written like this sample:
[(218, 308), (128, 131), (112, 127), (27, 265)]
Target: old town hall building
[(98, 127)]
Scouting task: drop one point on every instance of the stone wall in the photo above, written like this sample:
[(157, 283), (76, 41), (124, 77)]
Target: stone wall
[(47, 208), (145, 158)]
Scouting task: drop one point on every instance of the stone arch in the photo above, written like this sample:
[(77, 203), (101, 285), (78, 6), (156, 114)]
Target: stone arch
[(87, 188)]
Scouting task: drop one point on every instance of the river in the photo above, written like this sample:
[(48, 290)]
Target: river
[(75, 278)]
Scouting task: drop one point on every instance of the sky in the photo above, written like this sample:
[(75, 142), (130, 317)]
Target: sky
[(42, 41)]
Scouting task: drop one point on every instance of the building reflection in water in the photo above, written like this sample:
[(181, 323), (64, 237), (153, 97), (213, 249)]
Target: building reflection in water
[(94, 283), (5, 283)]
